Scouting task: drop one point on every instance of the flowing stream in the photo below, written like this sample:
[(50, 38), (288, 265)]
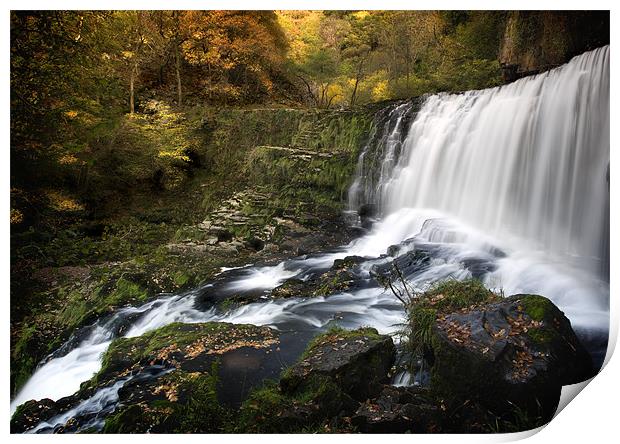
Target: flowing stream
[(509, 185)]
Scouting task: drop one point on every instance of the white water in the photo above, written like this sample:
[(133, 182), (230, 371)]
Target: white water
[(521, 169), (528, 159)]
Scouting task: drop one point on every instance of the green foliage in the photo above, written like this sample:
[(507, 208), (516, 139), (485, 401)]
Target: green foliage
[(537, 307), (442, 297), (202, 413), (22, 356), (338, 332)]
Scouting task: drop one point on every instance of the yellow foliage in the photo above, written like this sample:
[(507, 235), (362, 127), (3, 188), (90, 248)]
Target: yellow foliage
[(381, 91), (336, 92), (360, 15), (17, 217), (71, 114), (61, 202), (68, 159), (175, 154)]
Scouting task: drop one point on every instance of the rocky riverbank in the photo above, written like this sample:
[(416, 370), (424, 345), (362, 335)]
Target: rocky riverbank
[(234, 195), (494, 364)]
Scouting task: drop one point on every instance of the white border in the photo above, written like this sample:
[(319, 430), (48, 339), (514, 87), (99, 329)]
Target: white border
[(592, 417)]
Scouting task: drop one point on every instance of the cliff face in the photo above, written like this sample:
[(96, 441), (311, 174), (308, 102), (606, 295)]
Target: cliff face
[(535, 41)]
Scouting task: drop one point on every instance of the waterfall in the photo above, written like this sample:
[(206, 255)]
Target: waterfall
[(509, 185), (529, 159)]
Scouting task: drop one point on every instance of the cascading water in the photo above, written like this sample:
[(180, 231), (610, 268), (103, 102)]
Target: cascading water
[(528, 164), (527, 159), (509, 185)]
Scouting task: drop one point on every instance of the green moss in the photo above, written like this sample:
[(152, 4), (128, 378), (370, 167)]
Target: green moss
[(139, 348), (536, 307), (23, 362), (442, 297), (196, 411), (202, 413), (452, 295), (84, 304), (542, 335), (261, 412), (125, 292), (126, 420), (338, 333), (180, 278), (268, 410)]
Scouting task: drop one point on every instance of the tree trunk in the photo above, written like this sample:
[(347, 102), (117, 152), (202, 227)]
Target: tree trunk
[(353, 95), (178, 70), (358, 77), (132, 79)]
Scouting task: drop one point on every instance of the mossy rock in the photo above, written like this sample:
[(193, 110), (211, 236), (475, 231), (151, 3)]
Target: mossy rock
[(331, 282), (357, 361), (324, 388), (182, 345), (182, 379), (180, 402), (512, 354)]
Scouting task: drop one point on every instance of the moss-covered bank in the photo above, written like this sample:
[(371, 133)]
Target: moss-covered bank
[(135, 222)]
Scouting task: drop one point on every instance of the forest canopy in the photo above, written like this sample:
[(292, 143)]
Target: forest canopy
[(76, 76)]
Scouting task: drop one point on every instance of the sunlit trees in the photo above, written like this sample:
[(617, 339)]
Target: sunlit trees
[(349, 57), (238, 53)]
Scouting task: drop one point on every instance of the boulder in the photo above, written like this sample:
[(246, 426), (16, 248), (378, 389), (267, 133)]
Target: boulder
[(515, 353), (356, 361), (331, 282), (348, 262), (161, 375), (399, 410)]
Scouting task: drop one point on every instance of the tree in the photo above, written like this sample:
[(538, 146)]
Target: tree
[(239, 53), (138, 43)]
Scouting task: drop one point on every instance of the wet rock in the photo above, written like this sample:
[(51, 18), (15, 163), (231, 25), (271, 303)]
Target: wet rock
[(326, 284), (356, 361), (255, 243), (516, 352), (168, 367), (29, 414), (399, 410), (190, 347), (290, 288), (367, 210), (408, 264), (347, 263)]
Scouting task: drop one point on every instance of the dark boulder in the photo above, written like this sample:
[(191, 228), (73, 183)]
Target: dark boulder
[(408, 264), (516, 352), (356, 361), (255, 243), (347, 263), (333, 281), (399, 410), (162, 375), (29, 414)]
